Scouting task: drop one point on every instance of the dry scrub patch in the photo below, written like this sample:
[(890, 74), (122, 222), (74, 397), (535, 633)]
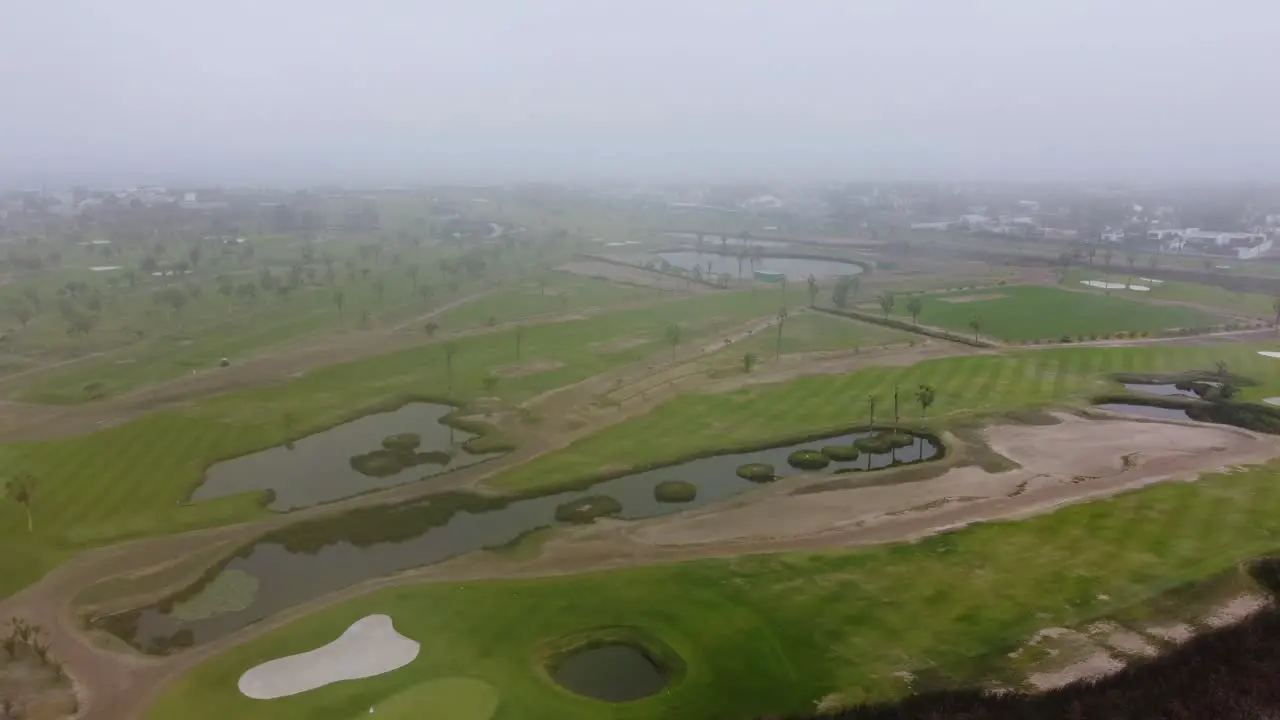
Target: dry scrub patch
[(973, 298), (529, 368)]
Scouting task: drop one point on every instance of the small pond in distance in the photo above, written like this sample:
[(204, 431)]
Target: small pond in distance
[(1150, 411), (401, 537), (318, 467), (614, 673), (796, 269)]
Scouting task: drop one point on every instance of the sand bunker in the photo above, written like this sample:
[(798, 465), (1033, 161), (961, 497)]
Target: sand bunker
[(1271, 400), (371, 646), (973, 298), (1268, 353), (1153, 281), (1114, 286)]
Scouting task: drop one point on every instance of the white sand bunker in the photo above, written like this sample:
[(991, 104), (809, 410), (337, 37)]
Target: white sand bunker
[(1114, 286), (1272, 400), (1268, 353), (1153, 281), (371, 646)]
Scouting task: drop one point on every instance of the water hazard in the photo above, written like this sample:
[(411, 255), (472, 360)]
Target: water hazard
[(614, 673), (310, 559), (318, 468), (1149, 411), (795, 269)]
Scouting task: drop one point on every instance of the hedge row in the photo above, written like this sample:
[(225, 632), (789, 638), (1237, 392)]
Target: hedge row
[(908, 326)]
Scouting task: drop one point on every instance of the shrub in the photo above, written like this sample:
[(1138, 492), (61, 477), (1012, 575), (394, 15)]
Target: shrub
[(385, 463), (675, 491), (884, 442), (808, 460), (1065, 339), (402, 441), (841, 453), (756, 472), (587, 509)]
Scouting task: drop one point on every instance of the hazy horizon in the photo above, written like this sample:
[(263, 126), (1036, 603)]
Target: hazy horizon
[(294, 92)]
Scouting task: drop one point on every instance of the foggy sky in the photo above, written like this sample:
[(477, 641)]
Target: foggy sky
[(297, 91)]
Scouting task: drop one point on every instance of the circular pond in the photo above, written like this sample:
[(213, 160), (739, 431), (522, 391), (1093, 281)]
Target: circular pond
[(615, 672)]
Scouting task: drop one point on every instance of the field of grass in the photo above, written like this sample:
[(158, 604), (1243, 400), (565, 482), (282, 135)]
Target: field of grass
[(145, 340), (947, 609), (696, 423), (812, 331), (554, 292), (131, 479), (1044, 313), (1255, 304)]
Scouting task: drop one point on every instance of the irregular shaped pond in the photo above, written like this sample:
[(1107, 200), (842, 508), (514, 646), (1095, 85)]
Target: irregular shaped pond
[(310, 559), (1150, 411), (795, 269), (371, 646), (615, 673), (318, 467)]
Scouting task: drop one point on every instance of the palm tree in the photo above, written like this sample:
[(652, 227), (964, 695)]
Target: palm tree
[(672, 333), (975, 325), (1275, 305), (749, 361), (895, 409), (813, 290), (1131, 259), (519, 338), (782, 320), (914, 306), (21, 490), (925, 395), (339, 298), (886, 302), (872, 399), (449, 351)]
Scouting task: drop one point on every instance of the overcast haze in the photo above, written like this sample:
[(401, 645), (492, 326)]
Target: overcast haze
[(291, 91)]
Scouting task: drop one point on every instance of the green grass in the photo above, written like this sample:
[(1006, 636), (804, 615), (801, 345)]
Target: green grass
[(562, 293), (698, 423), (813, 331), (1255, 304), (800, 626), (131, 480), (1048, 313), (456, 698)]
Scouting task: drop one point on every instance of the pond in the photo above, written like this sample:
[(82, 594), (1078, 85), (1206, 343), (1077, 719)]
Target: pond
[(308, 560), (614, 673), (1150, 411), (796, 269), (714, 241), (318, 467), (1165, 389)]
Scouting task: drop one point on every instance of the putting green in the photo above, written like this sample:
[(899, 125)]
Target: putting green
[(455, 698)]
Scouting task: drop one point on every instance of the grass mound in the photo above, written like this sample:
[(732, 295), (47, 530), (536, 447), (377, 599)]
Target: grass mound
[(808, 460), (403, 442), (588, 509), (675, 491), (884, 442), (756, 472), (456, 698), (841, 453), (385, 463)]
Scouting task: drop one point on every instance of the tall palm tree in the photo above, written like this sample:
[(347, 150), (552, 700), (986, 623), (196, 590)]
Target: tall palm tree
[(1275, 305), (673, 337), (925, 395), (782, 320), (914, 306), (872, 399), (450, 350), (21, 490), (813, 290), (975, 325), (1131, 258)]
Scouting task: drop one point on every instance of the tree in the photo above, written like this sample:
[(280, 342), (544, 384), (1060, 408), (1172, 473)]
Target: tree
[(1064, 264), (339, 298), (872, 399), (431, 328), (782, 320), (21, 490), (672, 333), (975, 324), (194, 256), (519, 339), (1153, 261), (886, 302), (914, 306), (1131, 259), (749, 361), (813, 291), (450, 350), (380, 288), (32, 294), (490, 382), (1207, 264), (132, 276), (925, 395), (1275, 305), (412, 272), (845, 292), (1106, 257), (22, 312), (224, 285), (896, 416)]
